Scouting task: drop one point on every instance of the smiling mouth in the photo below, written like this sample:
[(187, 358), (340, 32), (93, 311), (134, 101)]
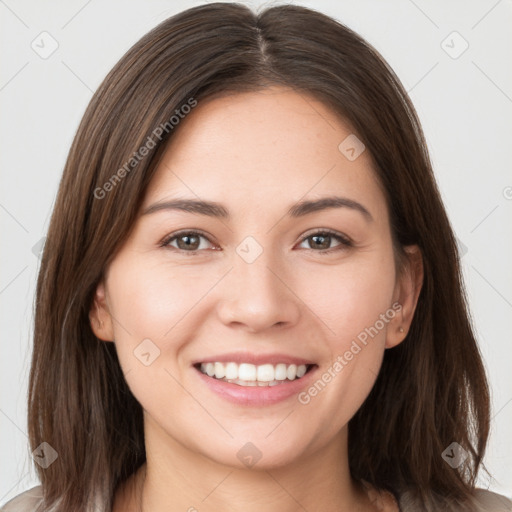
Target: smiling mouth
[(246, 374)]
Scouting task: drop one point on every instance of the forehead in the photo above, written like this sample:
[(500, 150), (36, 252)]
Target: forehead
[(259, 148)]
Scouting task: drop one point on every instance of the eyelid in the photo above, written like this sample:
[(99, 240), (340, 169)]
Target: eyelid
[(342, 238), (345, 242), (176, 234), (327, 231)]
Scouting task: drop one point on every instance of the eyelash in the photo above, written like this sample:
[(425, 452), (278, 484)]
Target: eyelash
[(345, 242)]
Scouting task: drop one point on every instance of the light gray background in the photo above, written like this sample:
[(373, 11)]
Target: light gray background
[(464, 103)]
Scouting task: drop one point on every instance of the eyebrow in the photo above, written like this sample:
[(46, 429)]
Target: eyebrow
[(300, 209)]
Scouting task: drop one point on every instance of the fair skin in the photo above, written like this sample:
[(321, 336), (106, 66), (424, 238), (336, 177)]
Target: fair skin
[(256, 154)]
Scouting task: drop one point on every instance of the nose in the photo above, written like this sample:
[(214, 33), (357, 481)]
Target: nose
[(258, 295)]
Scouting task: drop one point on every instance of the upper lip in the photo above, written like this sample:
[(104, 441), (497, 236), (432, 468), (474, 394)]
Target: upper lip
[(256, 359)]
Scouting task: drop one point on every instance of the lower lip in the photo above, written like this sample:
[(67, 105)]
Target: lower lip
[(257, 396)]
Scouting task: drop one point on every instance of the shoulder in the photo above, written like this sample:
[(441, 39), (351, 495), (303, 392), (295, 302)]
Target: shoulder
[(492, 502), (27, 501), (484, 501)]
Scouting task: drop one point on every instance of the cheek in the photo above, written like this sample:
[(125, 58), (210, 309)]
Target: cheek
[(148, 300), (147, 304), (349, 298), (158, 302), (350, 304), (143, 309), (354, 304)]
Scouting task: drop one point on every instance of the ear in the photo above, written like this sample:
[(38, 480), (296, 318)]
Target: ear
[(99, 316), (407, 290)]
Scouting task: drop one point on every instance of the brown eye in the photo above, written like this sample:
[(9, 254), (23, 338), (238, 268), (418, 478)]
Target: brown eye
[(322, 241), (187, 241)]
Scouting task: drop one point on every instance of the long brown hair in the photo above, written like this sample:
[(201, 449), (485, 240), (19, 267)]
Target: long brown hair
[(432, 388)]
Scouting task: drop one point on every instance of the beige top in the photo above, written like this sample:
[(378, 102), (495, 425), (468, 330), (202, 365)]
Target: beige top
[(487, 501)]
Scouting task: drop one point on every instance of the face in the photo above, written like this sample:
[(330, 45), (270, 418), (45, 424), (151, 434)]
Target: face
[(258, 286)]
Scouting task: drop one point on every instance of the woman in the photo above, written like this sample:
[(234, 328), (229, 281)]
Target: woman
[(250, 296)]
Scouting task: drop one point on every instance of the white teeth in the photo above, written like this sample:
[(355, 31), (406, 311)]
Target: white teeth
[(220, 371), (291, 371), (231, 371), (247, 374), (209, 369), (265, 373), (280, 372)]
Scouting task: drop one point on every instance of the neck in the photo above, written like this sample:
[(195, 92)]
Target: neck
[(176, 478)]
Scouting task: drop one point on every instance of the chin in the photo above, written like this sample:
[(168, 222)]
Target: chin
[(257, 452)]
